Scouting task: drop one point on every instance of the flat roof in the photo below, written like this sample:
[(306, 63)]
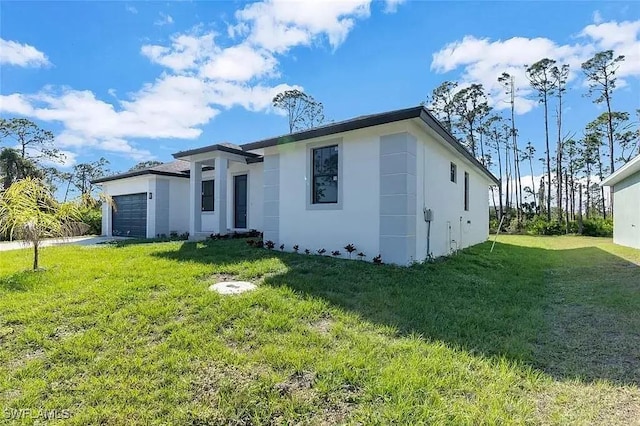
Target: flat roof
[(216, 147), (632, 167), (178, 168), (417, 112)]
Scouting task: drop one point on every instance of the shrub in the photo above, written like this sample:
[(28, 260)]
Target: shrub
[(540, 226), (597, 227), (92, 217)]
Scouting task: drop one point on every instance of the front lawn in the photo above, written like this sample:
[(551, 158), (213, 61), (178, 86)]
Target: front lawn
[(542, 330)]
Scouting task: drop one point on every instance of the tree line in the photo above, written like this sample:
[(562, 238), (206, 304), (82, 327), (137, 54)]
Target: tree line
[(574, 161)]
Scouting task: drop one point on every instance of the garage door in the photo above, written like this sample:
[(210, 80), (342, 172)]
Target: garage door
[(130, 215)]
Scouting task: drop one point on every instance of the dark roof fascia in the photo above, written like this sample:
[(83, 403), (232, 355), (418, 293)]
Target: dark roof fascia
[(376, 120), (138, 173), (343, 126), (216, 147), (259, 159), (433, 123)]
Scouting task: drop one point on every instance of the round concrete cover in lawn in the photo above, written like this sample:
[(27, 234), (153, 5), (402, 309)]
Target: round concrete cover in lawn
[(232, 287)]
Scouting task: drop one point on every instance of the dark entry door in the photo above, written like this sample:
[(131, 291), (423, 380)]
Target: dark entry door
[(130, 215), (240, 201)]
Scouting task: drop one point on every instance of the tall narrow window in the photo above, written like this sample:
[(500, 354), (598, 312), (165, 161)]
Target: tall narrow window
[(325, 175), (466, 191), (207, 195), (454, 173)]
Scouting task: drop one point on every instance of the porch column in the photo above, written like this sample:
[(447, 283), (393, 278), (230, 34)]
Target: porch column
[(195, 198), (220, 193)]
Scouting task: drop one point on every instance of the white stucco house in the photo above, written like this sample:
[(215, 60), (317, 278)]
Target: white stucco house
[(394, 184), (625, 183)]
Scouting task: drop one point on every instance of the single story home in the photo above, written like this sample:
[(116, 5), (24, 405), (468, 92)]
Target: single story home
[(394, 184), (625, 184)]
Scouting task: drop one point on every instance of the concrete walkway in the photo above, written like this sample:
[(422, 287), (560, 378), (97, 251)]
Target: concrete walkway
[(87, 240)]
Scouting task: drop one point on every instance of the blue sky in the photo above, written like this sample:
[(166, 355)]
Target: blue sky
[(132, 81)]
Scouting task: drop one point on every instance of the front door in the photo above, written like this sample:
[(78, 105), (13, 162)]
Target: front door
[(240, 201)]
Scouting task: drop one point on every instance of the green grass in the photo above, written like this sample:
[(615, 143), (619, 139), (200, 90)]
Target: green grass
[(544, 330)]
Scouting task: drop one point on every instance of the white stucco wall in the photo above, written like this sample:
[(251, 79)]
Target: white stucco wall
[(255, 192), (358, 221), (133, 185), (626, 212), (453, 227), (179, 205), (178, 201)]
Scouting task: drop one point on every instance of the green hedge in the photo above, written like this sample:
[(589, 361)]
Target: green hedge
[(539, 225), (93, 218)]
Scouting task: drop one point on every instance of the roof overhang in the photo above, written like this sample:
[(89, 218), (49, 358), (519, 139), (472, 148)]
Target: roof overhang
[(419, 112), (632, 167), (138, 173), (217, 150)]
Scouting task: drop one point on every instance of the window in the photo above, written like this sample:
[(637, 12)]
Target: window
[(325, 175), (207, 195), (454, 173), (466, 191)]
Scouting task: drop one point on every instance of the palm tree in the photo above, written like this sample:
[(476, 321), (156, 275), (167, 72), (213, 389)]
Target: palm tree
[(29, 211)]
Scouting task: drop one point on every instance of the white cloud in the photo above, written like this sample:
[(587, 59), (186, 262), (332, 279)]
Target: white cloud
[(164, 19), (16, 104), (239, 63), (252, 98), (597, 17), (391, 6), (22, 55), (621, 37), (131, 9), (278, 25), (483, 60), (200, 77), (68, 159), (186, 52)]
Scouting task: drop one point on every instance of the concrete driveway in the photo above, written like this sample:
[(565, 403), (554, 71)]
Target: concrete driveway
[(87, 240)]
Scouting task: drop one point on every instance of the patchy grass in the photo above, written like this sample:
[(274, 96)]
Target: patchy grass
[(543, 330)]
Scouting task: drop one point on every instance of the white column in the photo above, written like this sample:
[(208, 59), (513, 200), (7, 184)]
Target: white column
[(107, 218), (195, 199), (151, 208), (220, 193)]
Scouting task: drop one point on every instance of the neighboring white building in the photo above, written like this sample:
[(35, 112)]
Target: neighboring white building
[(394, 184), (626, 203)]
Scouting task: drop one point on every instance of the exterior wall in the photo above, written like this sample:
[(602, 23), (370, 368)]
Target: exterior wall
[(452, 227), (134, 185), (356, 221), (398, 198), (271, 197), (626, 212), (179, 205), (255, 193), (167, 210), (389, 174)]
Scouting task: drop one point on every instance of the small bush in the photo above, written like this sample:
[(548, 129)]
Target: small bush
[(540, 226), (92, 217), (597, 227)]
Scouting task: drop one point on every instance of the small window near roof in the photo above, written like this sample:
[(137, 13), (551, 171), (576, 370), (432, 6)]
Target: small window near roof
[(207, 195), (454, 173), (466, 191), (325, 175)]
